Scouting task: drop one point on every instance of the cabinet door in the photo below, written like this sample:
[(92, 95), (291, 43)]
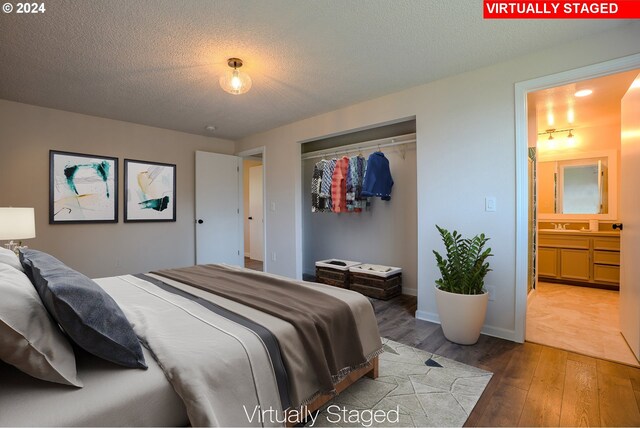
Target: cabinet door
[(548, 262), (575, 264), (605, 273)]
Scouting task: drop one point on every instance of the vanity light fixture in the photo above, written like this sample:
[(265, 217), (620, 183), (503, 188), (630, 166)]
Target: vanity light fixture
[(234, 81), (552, 131), (583, 93), (551, 143)]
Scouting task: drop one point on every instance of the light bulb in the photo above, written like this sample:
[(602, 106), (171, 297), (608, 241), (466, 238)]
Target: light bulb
[(236, 83)]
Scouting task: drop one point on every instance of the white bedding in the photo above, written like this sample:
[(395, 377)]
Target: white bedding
[(111, 396), (203, 369)]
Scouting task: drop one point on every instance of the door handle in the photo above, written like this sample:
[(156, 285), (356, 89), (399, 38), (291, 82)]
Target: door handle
[(617, 226), (200, 221), (250, 218)]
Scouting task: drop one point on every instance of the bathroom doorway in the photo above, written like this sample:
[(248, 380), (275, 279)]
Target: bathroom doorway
[(574, 136)]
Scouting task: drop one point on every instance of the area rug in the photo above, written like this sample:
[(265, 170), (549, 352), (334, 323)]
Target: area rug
[(414, 389)]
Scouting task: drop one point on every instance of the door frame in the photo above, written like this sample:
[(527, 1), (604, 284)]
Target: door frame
[(262, 150), (522, 89)]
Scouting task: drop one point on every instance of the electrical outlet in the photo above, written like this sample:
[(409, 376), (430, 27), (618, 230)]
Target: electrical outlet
[(273, 256), (492, 292)]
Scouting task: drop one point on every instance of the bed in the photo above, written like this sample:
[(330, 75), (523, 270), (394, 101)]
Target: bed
[(214, 357)]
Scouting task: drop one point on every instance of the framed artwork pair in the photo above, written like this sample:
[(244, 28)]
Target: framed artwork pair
[(84, 189)]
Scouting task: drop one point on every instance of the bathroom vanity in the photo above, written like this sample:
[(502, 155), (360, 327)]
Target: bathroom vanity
[(579, 257)]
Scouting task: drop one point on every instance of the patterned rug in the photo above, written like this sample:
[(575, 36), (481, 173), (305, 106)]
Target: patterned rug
[(414, 389)]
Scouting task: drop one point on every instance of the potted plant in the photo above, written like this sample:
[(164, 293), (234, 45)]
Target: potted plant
[(460, 294)]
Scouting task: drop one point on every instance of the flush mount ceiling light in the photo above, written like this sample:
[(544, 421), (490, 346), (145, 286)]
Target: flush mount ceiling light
[(583, 93), (234, 81), (210, 128)]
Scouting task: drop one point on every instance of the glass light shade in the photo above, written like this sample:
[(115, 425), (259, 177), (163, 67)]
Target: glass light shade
[(17, 223), (235, 82)]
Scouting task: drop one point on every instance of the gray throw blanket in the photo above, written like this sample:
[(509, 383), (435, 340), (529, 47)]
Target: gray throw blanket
[(326, 324)]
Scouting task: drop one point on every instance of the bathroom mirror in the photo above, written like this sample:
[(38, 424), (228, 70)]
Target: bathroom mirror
[(577, 186)]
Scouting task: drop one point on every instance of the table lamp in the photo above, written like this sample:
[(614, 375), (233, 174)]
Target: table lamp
[(17, 223)]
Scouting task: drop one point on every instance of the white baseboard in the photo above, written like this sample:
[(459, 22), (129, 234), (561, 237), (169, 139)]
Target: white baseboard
[(489, 330), (247, 255)]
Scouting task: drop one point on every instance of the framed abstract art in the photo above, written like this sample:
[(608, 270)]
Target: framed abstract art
[(149, 191), (82, 188)]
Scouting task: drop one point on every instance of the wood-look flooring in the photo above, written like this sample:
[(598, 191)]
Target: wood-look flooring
[(532, 385), (579, 319)]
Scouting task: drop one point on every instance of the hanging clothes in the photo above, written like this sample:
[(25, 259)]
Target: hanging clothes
[(339, 186), (362, 202), (318, 203), (355, 177), (325, 186), (377, 180)]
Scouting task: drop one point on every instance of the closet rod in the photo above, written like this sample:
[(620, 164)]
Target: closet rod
[(411, 138)]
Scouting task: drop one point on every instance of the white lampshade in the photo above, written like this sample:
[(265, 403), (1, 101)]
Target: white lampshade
[(17, 223)]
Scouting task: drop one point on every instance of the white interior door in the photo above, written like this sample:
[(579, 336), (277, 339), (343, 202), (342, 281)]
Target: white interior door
[(630, 218), (219, 237), (256, 207)]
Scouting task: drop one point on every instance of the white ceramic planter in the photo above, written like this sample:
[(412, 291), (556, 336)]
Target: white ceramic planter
[(461, 315)]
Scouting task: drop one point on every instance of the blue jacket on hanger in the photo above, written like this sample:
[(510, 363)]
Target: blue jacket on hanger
[(377, 178)]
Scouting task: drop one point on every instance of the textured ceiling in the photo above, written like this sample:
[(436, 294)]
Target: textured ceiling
[(157, 62)]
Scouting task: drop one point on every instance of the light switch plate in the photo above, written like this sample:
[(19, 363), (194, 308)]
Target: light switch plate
[(490, 204)]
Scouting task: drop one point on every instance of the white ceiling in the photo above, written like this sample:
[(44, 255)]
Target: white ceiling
[(158, 62), (600, 108)]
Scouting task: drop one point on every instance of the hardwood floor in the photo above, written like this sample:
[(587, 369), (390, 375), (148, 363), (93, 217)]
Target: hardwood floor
[(532, 385), (579, 319)]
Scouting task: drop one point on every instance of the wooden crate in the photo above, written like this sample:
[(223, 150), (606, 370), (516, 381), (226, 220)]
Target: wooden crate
[(335, 277), (376, 286)]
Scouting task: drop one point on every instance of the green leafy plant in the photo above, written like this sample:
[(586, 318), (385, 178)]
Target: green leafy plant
[(465, 266)]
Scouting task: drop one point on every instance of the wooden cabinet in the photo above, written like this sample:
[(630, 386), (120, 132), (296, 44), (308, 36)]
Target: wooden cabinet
[(575, 264), (548, 262), (580, 257)]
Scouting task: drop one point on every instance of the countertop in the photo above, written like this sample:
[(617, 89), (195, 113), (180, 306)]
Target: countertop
[(614, 233)]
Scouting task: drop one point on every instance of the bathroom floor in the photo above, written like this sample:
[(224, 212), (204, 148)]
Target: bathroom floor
[(579, 319)]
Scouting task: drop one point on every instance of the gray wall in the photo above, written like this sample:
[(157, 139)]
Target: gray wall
[(27, 133), (387, 234)]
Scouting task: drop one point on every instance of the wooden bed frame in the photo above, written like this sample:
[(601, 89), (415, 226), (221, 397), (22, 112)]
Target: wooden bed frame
[(370, 370)]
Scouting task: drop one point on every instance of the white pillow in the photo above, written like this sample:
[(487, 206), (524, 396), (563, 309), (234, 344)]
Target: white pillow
[(29, 339), (10, 258)]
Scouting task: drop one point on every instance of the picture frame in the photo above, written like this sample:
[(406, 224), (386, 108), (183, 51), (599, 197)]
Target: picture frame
[(149, 191), (83, 188)]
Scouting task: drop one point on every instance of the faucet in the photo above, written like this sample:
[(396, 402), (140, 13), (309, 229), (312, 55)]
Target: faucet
[(564, 226)]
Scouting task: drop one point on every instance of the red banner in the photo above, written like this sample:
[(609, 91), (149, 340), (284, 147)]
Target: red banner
[(562, 9)]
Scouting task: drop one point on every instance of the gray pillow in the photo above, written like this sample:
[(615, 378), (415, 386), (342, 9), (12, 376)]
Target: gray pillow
[(29, 339), (91, 318)]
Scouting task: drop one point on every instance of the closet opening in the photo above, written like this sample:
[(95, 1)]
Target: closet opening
[(380, 234)]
